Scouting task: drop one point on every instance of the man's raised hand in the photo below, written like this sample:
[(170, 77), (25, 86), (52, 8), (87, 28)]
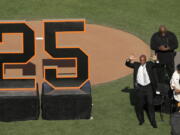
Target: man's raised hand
[(154, 57), (132, 58)]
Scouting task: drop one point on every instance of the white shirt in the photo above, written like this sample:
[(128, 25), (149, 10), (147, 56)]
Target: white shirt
[(175, 82), (142, 76)]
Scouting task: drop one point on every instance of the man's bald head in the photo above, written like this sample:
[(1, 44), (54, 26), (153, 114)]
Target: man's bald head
[(142, 59), (162, 29)]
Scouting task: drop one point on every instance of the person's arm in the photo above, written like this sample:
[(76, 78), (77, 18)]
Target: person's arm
[(130, 62), (173, 42), (154, 61), (154, 44), (175, 89), (173, 85)]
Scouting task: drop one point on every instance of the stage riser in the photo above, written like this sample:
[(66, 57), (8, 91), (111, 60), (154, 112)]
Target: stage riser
[(19, 108), (55, 104), (65, 107)]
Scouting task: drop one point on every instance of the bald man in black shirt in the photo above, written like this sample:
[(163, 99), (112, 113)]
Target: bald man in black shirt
[(164, 43)]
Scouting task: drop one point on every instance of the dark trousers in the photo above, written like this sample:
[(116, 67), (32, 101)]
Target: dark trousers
[(164, 69), (144, 96)]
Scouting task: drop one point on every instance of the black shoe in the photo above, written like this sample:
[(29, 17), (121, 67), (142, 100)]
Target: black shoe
[(154, 125), (141, 123)]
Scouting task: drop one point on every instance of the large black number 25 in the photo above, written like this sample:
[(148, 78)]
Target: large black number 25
[(51, 28)]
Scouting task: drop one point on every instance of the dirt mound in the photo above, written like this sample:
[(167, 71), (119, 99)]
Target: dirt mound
[(108, 48)]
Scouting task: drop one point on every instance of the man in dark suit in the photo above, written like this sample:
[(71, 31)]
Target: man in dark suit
[(164, 43), (144, 84)]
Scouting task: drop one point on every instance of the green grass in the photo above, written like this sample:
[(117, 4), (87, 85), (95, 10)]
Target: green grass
[(140, 17), (112, 112)]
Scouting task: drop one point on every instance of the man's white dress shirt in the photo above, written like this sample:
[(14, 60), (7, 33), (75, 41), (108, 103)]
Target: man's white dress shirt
[(142, 76), (175, 83)]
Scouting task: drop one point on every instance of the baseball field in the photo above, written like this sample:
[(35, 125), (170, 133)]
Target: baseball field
[(112, 112)]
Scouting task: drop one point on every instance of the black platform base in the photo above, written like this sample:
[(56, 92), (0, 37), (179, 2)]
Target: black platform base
[(66, 104), (19, 105)]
